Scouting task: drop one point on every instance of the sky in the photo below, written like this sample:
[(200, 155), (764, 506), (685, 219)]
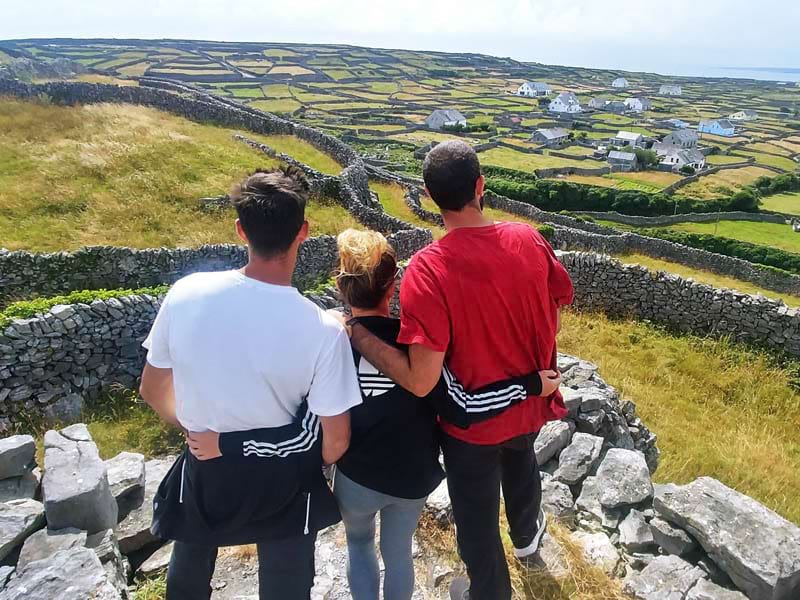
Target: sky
[(673, 37)]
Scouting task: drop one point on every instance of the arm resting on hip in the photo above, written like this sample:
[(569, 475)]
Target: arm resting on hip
[(158, 391)]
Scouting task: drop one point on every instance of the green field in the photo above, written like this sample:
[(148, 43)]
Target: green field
[(788, 203), (108, 174), (767, 234)]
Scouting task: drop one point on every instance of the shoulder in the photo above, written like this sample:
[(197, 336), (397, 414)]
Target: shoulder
[(198, 285), (326, 326)]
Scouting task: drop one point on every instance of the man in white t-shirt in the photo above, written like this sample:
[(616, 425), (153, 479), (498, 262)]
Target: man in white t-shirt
[(240, 350)]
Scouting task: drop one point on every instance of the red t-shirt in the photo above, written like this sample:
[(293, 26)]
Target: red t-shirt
[(489, 298)]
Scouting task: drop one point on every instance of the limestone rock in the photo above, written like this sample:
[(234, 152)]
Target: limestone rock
[(579, 458), (624, 479), (552, 439), (438, 505), (75, 485), (572, 400), (67, 575), (157, 563), (557, 499), (16, 455), (706, 590), (133, 532), (671, 539), (598, 550), (589, 503), (25, 486), (125, 474), (756, 547), (67, 409), (550, 558), (665, 578), (18, 519), (5, 574), (47, 542), (634, 532), (105, 546)]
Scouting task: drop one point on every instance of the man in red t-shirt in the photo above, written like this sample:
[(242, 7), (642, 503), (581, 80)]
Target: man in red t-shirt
[(486, 299)]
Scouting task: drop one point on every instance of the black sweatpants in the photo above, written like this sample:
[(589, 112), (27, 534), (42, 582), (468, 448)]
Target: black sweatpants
[(285, 570), (474, 476)]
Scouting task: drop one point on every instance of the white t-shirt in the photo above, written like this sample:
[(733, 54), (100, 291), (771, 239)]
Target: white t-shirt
[(244, 354)]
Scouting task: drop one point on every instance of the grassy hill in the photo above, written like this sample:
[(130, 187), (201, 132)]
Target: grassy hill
[(126, 175)]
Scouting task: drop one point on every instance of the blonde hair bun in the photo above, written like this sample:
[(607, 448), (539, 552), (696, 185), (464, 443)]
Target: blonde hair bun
[(360, 252)]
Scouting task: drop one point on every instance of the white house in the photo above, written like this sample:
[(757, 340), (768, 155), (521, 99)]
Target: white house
[(598, 103), (638, 104), (683, 138), (721, 127), (674, 158), (619, 82), (670, 89), (534, 89), (627, 138), (565, 102), (550, 137), (744, 115), (445, 117)]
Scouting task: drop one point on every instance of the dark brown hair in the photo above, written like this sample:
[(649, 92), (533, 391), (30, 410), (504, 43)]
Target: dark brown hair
[(271, 207), (367, 267), (451, 170)]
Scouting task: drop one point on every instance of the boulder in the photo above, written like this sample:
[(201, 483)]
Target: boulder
[(125, 474), (671, 539), (706, 590), (579, 458), (75, 485), (634, 532), (590, 422), (572, 400), (133, 532), (757, 548), (589, 503), (67, 409), (47, 542), (25, 486), (557, 499), (67, 575), (5, 575), (157, 563), (551, 440), (18, 519), (438, 505), (665, 578), (598, 550), (16, 455), (105, 546), (624, 479)]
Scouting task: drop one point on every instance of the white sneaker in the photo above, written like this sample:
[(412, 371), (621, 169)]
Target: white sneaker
[(530, 552)]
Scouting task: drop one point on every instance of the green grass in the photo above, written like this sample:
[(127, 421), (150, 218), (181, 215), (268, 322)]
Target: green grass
[(724, 159), (707, 277), (776, 235), (303, 151), (718, 409), (788, 203), (392, 197), (506, 157), (721, 184), (277, 105)]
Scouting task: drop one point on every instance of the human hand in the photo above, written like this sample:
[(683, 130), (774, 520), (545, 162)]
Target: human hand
[(551, 380), (204, 445)]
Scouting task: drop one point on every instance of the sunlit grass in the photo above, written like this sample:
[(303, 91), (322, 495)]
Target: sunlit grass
[(392, 196)]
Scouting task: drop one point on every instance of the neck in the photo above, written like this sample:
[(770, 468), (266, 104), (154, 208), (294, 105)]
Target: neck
[(277, 271), (469, 216), (378, 311)]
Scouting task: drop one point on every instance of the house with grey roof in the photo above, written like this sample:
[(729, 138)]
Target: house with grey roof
[(627, 138), (622, 161), (565, 102), (445, 117), (619, 82), (670, 89), (616, 106), (721, 127), (552, 137), (682, 138), (674, 123), (534, 89), (744, 115), (674, 158), (638, 104), (598, 103)]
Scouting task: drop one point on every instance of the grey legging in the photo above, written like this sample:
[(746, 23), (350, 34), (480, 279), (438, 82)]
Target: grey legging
[(399, 518)]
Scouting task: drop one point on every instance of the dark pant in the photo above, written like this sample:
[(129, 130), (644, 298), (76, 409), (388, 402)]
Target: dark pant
[(474, 476), (285, 570)]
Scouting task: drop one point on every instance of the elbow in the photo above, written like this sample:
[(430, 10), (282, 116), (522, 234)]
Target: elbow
[(422, 388)]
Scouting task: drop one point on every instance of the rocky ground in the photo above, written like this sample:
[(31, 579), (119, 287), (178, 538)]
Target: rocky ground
[(81, 529)]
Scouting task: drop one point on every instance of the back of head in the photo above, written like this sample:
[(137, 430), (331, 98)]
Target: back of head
[(367, 267), (271, 207), (451, 170)]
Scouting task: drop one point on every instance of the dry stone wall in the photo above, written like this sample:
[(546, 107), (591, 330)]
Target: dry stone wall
[(661, 220)]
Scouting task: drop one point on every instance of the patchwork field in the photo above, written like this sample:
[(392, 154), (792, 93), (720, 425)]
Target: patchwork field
[(788, 203), (766, 234), (126, 175), (723, 183)]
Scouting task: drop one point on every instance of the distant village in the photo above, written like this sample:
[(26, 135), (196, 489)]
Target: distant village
[(680, 151)]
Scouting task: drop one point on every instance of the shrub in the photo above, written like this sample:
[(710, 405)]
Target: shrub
[(547, 231), (646, 158), (687, 170)]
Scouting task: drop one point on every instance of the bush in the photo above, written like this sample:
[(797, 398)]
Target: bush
[(547, 231), (754, 253), (646, 158), (687, 170), (775, 185)]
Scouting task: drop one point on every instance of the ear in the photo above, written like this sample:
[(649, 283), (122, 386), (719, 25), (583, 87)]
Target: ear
[(302, 235), (479, 186), (240, 232)]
